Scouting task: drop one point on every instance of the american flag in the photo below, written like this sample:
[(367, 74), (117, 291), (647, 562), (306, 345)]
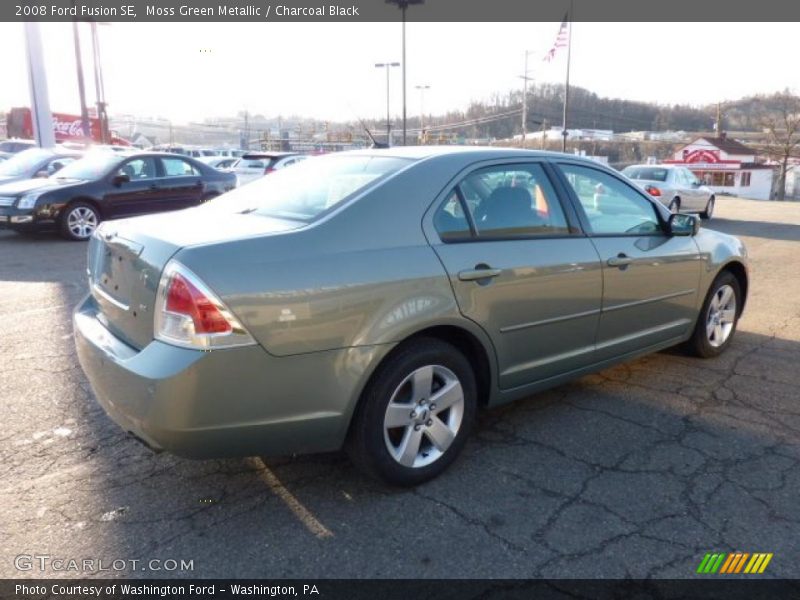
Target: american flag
[(562, 40)]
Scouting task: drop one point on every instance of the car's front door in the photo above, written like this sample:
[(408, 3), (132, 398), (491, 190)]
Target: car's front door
[(135, 195), (650, 278), (180, 186), (695, 193), (521, 269)]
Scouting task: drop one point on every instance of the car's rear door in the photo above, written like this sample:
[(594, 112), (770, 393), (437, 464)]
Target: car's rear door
[(650, 278), (181, 184), (520, 268)]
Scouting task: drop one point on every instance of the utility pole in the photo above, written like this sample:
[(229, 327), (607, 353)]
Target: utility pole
[(718, 125), (86, 128), (525, 100), (99, 85)]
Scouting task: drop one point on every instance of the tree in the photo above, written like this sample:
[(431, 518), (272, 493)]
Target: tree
[(782, 125)]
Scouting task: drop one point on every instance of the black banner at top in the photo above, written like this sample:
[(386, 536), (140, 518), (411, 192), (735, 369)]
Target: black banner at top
[(380, 10)]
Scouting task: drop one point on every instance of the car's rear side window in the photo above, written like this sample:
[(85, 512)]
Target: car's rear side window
[(503, 201)]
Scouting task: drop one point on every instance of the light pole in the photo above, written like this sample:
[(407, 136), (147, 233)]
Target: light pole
[(422, 89), (403, 5), (387, 66)]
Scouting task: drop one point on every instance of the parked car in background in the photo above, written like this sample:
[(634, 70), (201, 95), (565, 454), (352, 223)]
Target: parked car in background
[(219, 162), (254, 165), (108, 185), (5, 156), (36, 162), (375, 299), (230, 152), (675, 187), (16, 145)]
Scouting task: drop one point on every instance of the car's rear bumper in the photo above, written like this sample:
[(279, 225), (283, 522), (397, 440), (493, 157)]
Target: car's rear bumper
[(235, 402)]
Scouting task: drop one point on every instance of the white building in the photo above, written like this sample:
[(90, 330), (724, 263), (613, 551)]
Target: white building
[(727, 166)]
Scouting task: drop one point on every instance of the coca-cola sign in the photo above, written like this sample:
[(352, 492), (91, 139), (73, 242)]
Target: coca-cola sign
[(68, 127)]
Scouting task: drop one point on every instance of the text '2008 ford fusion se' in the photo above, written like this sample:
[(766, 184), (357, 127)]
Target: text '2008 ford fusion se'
[(375, 300)]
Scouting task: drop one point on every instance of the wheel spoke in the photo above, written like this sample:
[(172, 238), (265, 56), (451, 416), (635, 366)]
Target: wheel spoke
[(397, 415), (440, 434), (422, 382), (714, 306), (447, 396), (409, 447), (725, 296), (710, 329), (727, 316), (718, 335)]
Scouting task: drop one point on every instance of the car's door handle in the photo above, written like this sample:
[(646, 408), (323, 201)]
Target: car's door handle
[(479, 273), (620, 260)]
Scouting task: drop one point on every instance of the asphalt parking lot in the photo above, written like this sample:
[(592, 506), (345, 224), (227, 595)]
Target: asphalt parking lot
[(636, 471)]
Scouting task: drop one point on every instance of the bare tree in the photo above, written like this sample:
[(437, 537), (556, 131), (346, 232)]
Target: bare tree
[(782, 124)]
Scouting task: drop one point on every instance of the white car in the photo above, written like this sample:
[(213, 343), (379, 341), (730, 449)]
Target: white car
[(675, 187), (221, 163), (254, 165)]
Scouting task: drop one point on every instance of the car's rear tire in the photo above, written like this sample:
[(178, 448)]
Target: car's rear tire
[(399, 433), (706, 214), (79, 221), (718, 318), (675, 206)]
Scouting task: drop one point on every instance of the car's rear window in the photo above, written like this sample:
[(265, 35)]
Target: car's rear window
[(310, 187), (648, 173)]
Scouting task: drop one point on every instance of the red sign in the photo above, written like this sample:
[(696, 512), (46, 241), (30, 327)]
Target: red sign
[(67, 128), (701, 156)]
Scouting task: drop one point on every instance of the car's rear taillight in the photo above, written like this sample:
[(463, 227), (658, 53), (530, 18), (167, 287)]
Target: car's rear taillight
[(268, 170), (189, 314), (652, 190)]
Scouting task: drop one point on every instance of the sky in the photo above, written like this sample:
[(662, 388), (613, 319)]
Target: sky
[(188, 71)]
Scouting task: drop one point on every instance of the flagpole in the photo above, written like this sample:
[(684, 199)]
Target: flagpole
[(566, 86)]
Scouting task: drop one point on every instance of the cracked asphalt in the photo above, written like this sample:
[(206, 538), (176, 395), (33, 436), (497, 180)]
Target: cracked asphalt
[(636, 471)]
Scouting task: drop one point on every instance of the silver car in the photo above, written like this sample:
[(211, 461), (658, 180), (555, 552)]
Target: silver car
[(675, 187)]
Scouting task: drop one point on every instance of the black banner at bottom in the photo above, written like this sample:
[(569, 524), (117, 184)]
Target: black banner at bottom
[(732, 588)]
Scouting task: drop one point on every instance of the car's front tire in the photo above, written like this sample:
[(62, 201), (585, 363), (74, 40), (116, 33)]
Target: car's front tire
[(415, 413), (718, 318), (79, 221)]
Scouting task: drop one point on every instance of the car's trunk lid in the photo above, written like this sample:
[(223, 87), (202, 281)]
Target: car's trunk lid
[(126, 258)]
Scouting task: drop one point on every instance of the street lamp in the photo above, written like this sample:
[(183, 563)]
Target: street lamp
[(422, 89), (403, 5), (387, 66)]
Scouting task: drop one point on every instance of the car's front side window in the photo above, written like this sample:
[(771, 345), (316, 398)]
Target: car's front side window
[(611, 207)]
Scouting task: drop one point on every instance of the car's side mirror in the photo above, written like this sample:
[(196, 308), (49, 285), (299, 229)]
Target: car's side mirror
[(42, 173), (120, 178), (680, 224), (696, 183)]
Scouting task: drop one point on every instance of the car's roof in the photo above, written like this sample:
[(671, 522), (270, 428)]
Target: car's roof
[(473, 152)]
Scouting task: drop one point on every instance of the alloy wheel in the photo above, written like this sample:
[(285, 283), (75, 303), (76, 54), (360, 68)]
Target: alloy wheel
[(721, 316), (82, 221), (423, 416)]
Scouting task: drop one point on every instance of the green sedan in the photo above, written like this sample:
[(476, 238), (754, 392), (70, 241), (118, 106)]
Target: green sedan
[(375, 300)]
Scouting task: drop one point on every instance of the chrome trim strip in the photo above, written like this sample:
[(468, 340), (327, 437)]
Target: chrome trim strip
[(649, 300), (587, 313), (108, 297)]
